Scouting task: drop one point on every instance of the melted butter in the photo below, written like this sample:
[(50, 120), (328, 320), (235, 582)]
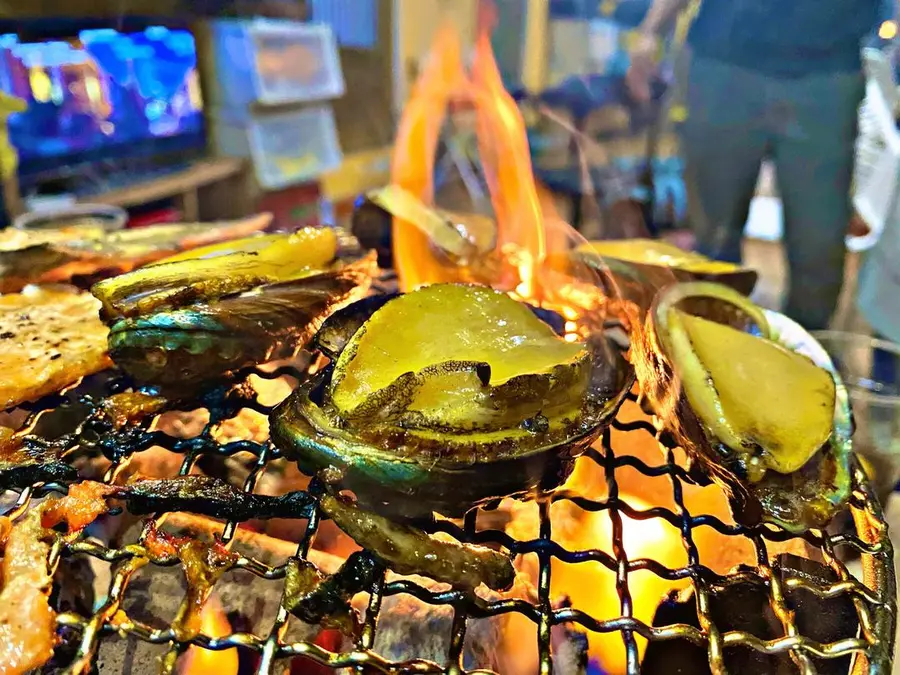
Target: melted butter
[(445, 323), (763, 394), (663, 254)]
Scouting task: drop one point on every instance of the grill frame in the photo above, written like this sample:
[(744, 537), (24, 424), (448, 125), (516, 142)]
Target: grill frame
[(876, 608)]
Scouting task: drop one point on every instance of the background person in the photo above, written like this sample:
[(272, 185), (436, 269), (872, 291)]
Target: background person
[(770, 79)]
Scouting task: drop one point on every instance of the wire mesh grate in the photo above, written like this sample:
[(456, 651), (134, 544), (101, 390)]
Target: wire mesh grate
[(873, 598)]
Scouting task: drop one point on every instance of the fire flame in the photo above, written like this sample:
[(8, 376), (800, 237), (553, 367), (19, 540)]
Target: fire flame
[(533, 256), (415, 146), (505, 157), (533, 251), (199, 661), (590, 586)]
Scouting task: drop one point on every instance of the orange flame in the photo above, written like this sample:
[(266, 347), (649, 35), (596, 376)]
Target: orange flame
[(412, 166), (505, 157), (199, 661)]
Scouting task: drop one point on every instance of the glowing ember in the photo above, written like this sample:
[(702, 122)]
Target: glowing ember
[(591, 585), (198, 661)]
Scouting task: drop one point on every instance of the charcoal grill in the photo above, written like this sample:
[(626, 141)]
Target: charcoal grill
[(874, 599)]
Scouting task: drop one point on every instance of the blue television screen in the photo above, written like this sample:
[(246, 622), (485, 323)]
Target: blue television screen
[(104, 93)]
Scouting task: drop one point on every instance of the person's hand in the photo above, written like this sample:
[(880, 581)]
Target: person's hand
[(858, 227), (643, 66)]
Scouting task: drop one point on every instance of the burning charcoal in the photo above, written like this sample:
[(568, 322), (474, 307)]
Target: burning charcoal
[(746, 606), (210, 497), (409, 628), (410, 551), (24, 461), (325, 600), (73, 591), (823, 620), (251, 602)]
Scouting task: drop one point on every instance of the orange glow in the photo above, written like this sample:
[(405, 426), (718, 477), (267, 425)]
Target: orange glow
[(412, 166), (591, 585), (197, 661), (505, 157)]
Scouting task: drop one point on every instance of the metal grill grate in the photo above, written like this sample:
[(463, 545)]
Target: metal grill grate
[(874, 600)]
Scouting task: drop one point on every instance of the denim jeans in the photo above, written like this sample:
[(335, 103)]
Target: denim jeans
[(807, 126)]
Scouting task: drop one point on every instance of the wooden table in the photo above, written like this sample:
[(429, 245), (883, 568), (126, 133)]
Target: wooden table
[(183, 186)]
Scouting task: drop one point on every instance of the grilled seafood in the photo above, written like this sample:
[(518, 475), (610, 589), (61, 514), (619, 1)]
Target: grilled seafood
[(211, 272), (407, 550), (27, 622), (22, 463), (319, 599), (193, 317), (767, 416), (203, 566), (211, 497), (58, 255), (447, 397), (49, 339), (462, 237), (637, 269)]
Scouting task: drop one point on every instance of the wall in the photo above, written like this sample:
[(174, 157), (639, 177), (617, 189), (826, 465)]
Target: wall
[(417, 22)]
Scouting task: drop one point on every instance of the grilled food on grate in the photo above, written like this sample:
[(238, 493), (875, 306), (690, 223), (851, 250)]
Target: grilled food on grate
[(186, 321), (446, 397), (60, 255), (49, 339), (642, 265), (26, 461), (410, 551), (27, 622), (766, 414)]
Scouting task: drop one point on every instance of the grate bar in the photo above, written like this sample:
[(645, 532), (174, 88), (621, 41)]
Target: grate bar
[(874, 599)]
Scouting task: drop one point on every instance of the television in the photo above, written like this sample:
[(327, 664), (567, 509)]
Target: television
[(102, 95)]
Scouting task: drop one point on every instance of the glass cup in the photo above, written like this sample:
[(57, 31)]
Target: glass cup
[(870, 368)]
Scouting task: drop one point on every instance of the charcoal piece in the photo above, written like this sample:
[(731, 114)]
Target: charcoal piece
[(745, 606), (73, 591), (823, 620), (213, 497), (409, 628), (316, 598)]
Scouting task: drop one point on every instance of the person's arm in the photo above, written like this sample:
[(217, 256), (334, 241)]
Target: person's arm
[(661, 15), (645, 50)]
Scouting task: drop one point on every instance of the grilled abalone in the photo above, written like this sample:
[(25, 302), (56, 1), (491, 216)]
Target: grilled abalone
[(193, 317), (756, 400), (446, 397)]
